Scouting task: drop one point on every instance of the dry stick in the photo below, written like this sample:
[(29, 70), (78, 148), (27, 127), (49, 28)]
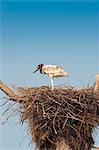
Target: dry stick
[(29, 106), (48, 108), (54, 120), (43, 111), (76, 101), (54, 100), (4, 102), (50, 141), (8, 108), (96, 89), (73, 107), (65, 122), (96, 147), (44, 125), (73, 116), (9, 92), (10, 115)]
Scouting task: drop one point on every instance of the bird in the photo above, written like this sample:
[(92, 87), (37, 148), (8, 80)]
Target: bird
[(52, 71)]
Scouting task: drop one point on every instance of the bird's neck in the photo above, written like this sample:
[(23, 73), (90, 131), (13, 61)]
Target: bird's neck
[(41, 70)]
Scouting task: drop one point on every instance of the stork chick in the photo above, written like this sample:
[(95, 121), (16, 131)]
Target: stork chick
[(52, 71)]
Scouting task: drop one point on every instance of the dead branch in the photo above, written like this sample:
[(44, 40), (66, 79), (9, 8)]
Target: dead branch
[(96, 147), (96, 89), (7, 90), (10, 93)]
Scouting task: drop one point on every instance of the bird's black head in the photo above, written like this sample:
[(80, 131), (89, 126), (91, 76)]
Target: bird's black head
[(39, 67)]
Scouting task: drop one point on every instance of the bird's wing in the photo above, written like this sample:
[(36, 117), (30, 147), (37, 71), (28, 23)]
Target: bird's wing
[(48, 69), (49, 66)]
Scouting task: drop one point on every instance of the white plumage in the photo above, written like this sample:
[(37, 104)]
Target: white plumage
[(52, 71)]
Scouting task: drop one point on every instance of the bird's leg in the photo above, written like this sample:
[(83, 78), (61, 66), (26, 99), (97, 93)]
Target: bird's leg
[(52, 82)]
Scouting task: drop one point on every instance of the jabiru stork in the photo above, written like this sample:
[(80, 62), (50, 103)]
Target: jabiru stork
[(52, 71)]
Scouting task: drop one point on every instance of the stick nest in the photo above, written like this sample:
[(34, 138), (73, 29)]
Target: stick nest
[(62, 113)]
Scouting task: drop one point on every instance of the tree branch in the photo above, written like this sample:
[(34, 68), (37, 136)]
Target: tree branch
[(96, 147), (96, 89), (10, 93), (7, 90)]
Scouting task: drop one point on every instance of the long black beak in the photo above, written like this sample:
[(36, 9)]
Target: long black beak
[(36, 70)]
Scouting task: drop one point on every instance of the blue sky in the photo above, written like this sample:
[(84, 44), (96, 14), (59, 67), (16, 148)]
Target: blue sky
[(50, 32)]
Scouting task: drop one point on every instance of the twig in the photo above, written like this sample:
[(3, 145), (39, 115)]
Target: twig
[(54, 120), (96, 147), (65, 122)]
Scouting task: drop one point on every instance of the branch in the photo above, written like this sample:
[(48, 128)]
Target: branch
[(96, 89), (10, 93), (96, 147)]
